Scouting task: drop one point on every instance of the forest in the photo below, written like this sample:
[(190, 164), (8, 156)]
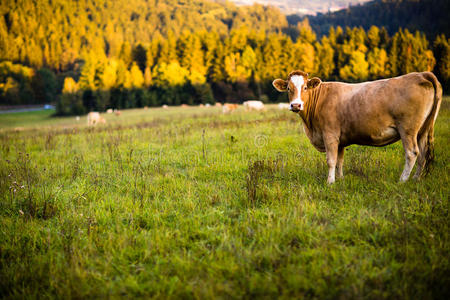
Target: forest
[(429, 16), (93, 55)]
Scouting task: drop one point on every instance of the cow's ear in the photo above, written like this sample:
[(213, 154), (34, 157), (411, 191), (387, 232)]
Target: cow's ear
[(280, 85), (314, 82)]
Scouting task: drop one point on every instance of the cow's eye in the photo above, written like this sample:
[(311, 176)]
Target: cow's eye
[(289, 89), (304, 88)]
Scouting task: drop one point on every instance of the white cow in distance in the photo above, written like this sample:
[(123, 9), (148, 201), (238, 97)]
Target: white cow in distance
[(254, 105), (94, 117)]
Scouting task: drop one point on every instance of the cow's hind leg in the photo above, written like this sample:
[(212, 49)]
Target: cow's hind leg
[(411, 151), (340, 162), (421, 158)]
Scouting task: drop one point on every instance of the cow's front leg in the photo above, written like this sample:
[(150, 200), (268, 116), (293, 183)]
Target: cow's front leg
[(332, 153), (340, 162)]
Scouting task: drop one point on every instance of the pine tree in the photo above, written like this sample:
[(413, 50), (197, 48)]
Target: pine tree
[(305, 32), (139, 55), (44, 86), (441, 47), (373, 36)]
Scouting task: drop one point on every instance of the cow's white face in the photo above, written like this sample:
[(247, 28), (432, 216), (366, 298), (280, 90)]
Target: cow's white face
[(296, 85)]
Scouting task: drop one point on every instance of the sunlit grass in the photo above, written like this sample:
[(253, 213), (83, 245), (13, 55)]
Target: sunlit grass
[(194, 203)]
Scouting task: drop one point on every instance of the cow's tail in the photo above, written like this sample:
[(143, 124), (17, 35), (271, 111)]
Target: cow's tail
[(428, 125)]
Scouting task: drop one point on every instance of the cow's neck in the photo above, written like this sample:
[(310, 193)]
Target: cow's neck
[(307, 114)]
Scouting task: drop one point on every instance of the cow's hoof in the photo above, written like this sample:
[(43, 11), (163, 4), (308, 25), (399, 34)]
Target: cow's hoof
[(417, 177)]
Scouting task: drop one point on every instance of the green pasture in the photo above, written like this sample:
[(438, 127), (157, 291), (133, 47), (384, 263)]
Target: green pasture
[(192, 203)]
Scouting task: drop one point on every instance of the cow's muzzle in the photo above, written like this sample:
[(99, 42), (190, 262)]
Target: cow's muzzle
[(296, 107)]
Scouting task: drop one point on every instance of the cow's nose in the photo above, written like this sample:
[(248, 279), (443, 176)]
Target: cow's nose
[(295, 106)]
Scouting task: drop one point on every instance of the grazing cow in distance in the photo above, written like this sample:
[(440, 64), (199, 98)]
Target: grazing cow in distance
[(375, 113), (229, 107), (94, 117), (218, 104), (253, 105), (117, 113), (109, 111)]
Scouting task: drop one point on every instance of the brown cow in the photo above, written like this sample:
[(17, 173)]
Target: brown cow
[(229, 107), (375, 113)]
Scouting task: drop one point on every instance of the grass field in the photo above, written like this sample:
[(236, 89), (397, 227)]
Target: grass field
[(190, 203)]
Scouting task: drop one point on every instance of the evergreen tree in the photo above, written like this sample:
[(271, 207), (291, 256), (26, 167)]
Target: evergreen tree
[(441, 48), (305, 33), (140, 57), (44, 86), (373, 35)]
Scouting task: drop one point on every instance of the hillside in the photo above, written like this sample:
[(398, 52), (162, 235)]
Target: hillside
[(303, 7), (429, 16), (59, 31)]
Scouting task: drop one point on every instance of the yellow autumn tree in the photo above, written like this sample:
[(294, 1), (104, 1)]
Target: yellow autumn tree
[(171, 74), (357, 69), (137, 78), (234, 69), (109, 76), (377, 59), (70, 86), (147, 77)]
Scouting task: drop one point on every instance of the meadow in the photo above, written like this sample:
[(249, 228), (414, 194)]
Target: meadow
[(192, 203)]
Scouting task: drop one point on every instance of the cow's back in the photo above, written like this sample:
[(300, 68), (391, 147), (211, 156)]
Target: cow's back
[(370, 113)]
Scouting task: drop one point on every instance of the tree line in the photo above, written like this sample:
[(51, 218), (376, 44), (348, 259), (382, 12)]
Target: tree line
[(205, 66), (429, 16)]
